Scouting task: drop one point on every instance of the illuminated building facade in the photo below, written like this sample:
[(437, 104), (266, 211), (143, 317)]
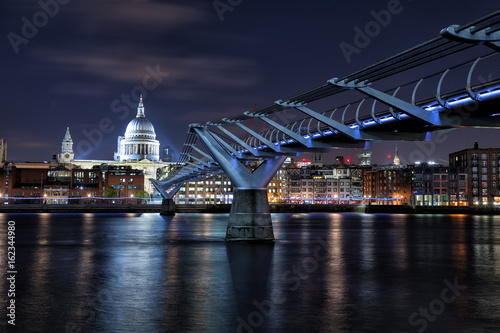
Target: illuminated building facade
[(388, 185), (437, 185), (212, 190), (482, 173)]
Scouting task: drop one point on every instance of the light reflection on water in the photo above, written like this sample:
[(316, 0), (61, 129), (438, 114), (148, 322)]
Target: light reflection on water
[(325, 273)]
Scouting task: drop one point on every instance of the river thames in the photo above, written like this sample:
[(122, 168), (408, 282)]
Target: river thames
[(325, 273)]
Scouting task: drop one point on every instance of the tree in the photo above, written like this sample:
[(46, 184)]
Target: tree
[(142, 194), (110, 193)]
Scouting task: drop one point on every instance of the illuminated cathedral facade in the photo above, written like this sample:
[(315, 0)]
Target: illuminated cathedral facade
[(139, 141)]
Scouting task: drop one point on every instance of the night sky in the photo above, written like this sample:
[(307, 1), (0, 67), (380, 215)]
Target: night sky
[(75, 69)]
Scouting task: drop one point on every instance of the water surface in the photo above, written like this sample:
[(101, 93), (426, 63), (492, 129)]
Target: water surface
[(325, 273)]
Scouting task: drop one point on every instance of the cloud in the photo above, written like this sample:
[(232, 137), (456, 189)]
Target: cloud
[(189, 77), (109, 16), (79, 89), (32, 144)]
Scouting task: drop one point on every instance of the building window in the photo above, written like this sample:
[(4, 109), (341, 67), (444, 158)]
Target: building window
[(484, 156)]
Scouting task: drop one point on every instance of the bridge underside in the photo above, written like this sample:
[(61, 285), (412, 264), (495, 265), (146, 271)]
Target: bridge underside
[(406, 113)]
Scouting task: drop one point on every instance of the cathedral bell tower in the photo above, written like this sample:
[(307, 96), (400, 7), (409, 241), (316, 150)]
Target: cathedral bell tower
[(396, 157), (66, 154)]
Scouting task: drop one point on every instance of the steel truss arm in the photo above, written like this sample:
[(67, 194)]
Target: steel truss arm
[(268, 143), (325, 120), (241, 177), (487, 36), (203, 163), (250, 149), (202, 152), (297, 137), (431, 118), (225, 145), (168, 193), (360, 134), (196, 166)]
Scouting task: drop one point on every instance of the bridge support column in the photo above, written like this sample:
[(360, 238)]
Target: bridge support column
[(250, 218), (167, 207), (167, 204)]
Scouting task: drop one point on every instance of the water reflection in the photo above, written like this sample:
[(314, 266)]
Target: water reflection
[(325, 273)]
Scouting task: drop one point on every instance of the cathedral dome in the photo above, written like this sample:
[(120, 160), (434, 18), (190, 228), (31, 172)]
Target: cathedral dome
[(140, 127), (139, 141)]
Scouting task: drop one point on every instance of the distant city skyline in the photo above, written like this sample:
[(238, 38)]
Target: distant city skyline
[(196, 63)]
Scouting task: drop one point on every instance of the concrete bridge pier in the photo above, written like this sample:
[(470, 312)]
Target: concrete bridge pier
[(167, 207), (249, 219), (167, 204)]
